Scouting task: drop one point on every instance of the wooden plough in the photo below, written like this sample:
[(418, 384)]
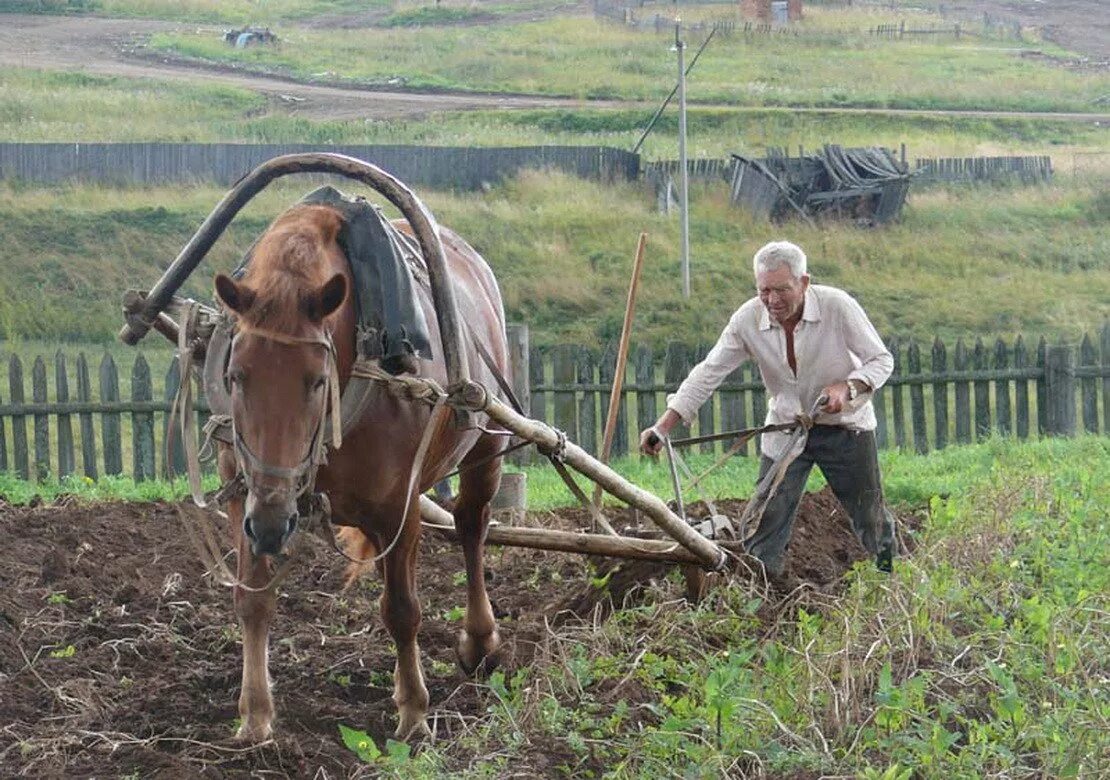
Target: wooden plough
[(677, 541)]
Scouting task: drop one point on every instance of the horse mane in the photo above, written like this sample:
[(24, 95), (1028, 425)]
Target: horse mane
[(287, 266)]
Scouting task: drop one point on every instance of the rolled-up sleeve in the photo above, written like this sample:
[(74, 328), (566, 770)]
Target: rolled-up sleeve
[(876, 362), (728, 353)]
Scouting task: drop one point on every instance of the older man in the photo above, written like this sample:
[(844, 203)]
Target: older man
[(808, 341)]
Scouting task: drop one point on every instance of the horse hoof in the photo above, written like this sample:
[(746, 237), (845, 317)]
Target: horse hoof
[(253, 733), (477, 658), (412, 728)]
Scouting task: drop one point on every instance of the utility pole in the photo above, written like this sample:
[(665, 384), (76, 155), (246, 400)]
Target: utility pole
[(684, 194)]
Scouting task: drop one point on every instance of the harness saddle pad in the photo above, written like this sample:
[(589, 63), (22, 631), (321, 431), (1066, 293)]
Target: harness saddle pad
[(391, 323)]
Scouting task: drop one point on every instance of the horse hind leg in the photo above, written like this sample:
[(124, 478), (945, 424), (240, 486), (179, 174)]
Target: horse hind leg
[(479, 640), (401, 615)]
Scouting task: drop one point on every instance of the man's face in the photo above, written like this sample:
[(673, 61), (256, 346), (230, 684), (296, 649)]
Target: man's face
[(781, 293)]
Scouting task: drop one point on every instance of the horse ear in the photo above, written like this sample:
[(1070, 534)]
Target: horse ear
[(328, 298), (234, 296)]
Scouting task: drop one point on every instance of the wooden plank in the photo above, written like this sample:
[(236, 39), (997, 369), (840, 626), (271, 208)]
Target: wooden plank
[(940, 396), (759, 397), (707, 422), (1088, 386), (982, 394), (882, 435), (20, 459), (1059, 369), (67, 461), (606, 371), (586, 371), (1105, 339), (110, 421), (41, 423), (538, 406), (142, 423), (88, 435), (961, 362), (173, 455), (917, 401), (518, 339), (1021, 391), (1002, 416), (898, 398), (676, 366), (1042, 389), (646, 410), (733, 414), (566, 407)]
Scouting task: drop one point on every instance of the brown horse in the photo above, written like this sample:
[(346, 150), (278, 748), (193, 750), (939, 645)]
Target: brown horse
[(293, 303)]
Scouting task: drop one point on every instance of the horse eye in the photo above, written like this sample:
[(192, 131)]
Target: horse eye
[(319, 383), (235, 377)]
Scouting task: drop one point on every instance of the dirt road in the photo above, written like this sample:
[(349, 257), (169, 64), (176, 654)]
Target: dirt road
[(105, 47)]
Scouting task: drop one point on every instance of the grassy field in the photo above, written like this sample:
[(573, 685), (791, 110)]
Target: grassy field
[(615, 62), (981, 656), (994, 262), (218, 11), (40, 106)]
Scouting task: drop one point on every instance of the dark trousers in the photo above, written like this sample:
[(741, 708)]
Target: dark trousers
[(849, 460)]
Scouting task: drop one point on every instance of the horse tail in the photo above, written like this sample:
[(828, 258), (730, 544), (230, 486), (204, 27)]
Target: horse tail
[(359, 549)]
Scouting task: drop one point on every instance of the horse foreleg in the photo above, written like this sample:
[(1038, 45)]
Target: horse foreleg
[(255, 610), (401, 615), (478, 641)]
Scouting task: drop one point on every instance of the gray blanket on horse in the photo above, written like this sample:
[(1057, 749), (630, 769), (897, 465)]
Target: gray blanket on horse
[(390, 321)]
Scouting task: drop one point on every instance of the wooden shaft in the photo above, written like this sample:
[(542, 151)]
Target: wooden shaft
[(441, 521), (476, 398), (622, 359)]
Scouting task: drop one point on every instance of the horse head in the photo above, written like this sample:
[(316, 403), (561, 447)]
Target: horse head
[(282, 369)]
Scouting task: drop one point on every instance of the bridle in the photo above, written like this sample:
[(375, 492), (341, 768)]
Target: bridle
[(250, 466)]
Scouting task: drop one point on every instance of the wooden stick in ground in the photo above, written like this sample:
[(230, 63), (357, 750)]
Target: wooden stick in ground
[(439, 520), (475, 397), (622, 359)]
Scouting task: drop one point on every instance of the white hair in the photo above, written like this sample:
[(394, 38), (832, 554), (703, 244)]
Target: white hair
[(777, 254)]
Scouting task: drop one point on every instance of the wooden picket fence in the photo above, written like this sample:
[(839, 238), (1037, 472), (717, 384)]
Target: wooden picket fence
[(936, 397)]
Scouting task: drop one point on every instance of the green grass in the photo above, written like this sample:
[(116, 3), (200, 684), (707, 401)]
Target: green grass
[(613, 62), (995, 262), (41, 106)]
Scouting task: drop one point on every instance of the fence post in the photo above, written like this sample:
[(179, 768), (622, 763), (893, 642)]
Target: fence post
[(142, 423), (982, 394), (645, 378), (173, 455), (1042, 389), (41, 420), (733, 414), (1002, 390), (1106, 377), (706, 415), (88, 437), (566, 412), (1089, 390), (675, 368), (960, 362), (898, 397), (19, 421), (585, 367), (607, 371), (917, 400), (1059, 374), (67, 460), (517, 335), (759, 400), (110, 421), (1021, 391), (940, 395)]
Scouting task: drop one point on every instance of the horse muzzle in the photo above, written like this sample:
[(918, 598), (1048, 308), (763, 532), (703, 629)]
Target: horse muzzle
[(269, 526)]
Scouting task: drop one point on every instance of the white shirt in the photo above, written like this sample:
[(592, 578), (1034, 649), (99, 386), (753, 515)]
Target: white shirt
[(834, 341)]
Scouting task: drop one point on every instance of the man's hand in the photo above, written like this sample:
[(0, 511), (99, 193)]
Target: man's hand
[(650, 441), (838, 398)]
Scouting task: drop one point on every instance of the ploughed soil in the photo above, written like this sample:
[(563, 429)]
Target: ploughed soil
[(118, 656)]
